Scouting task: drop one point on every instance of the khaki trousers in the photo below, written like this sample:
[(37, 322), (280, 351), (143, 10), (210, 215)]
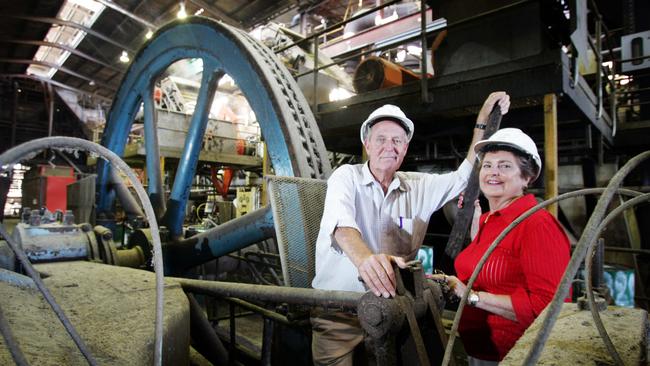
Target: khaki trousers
[(334, 337)]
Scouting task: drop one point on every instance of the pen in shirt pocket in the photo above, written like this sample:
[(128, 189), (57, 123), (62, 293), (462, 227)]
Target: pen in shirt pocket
[(400, 222)]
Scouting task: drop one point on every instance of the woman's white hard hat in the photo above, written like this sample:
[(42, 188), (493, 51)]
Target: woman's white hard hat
[(387, 112), (515, 138)]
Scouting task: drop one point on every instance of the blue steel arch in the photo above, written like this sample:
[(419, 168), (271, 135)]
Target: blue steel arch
[(294, 143)]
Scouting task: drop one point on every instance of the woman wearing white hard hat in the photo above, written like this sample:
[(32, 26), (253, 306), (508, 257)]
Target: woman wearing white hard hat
[(520, 277)]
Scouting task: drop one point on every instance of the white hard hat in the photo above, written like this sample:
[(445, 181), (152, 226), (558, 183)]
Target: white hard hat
[(387, 112), (513, 137)]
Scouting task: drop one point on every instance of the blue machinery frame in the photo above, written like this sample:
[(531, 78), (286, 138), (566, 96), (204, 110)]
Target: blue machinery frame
[(294, 143)]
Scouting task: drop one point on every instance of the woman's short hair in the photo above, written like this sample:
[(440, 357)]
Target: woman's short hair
[(526, 162)]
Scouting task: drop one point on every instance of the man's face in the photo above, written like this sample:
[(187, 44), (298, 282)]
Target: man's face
[(386, 146)]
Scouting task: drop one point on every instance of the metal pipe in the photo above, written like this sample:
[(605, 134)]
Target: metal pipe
[(226, 238), (49, 97), (206, 341), (30, 149), (233, 335), (424, 85), (14, 114), (267, 342), (130, 205), (291, 295), (267, 314)]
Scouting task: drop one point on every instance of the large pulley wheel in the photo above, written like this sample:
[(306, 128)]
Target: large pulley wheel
[(294, 143)]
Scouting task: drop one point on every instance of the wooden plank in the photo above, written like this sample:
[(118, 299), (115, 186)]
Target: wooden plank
[(550, 151)]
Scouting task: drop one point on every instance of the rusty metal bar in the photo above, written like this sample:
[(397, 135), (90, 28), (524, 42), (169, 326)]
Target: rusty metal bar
[(290, 295)]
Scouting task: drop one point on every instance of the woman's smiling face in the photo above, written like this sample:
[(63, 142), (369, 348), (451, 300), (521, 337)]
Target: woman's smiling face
[(500, 177)]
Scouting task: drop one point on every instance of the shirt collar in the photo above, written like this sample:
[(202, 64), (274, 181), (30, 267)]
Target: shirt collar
[(517, 207), (397, 183)]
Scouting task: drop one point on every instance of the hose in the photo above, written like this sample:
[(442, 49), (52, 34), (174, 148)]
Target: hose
[(30, 149)]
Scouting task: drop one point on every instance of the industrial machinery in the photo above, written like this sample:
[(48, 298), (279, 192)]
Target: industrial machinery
[(295, 147)]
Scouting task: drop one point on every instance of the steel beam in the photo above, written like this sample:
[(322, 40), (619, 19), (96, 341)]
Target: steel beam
[(67, 23), (74, 51), (57, 67), (119, 9), (218, 13), (56, 83), (550, 150)]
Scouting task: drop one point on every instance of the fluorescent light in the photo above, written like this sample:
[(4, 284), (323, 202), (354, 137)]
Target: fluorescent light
[(149, 34), (199, 12), (182, 14)]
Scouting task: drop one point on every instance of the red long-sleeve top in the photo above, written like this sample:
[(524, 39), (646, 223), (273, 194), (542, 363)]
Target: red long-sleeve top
[(528, 265)]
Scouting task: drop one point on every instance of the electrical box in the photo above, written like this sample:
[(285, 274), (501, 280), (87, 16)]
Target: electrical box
[(46, 186)]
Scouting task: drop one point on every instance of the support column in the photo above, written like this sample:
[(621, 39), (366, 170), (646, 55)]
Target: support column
[(550, 150)]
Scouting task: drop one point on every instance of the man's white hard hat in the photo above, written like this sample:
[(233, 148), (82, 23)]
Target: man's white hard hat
[(391, 113), (515, 138)]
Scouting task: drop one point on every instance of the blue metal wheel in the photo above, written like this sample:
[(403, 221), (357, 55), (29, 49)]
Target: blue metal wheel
[(288, 127)]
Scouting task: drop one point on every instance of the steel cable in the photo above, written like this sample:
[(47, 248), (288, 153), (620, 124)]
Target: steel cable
[(492, 247), (578, 256), (588, 265), (31, 148), (10, 341)]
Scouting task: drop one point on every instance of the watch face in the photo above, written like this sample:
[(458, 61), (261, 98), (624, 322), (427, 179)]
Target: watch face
[(473, 298)]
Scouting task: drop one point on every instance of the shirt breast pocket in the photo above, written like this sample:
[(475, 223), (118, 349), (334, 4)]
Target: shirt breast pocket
[(397, 238)]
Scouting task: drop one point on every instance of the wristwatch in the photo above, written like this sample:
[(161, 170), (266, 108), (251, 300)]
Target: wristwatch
[(473, 298)]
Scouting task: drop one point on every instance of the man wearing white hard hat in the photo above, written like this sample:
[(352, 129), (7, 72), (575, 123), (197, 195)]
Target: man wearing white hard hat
[(375, 215), (519, 278)]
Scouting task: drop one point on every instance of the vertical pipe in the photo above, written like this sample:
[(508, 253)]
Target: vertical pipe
[(267, 342), (597, 275), (599, 69), (550, 150), (152, 157), (424, 86), (50, 109), (315, 101), (206, 340), (233, 341), (14, 115)]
